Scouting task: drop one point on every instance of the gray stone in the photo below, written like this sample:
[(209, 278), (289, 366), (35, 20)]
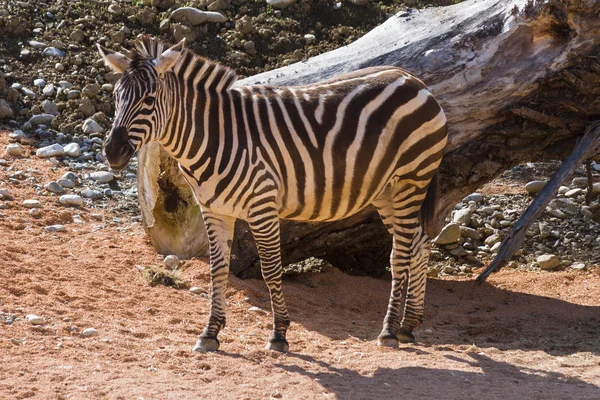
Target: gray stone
[(54, 187), (492, 239), (32, 204), (41, 119), (39, 82), (171, 261), (34, 319), (565, 205), (578, 266), (102, 176), (66, 183), (55, 228), (196, 17), (59, 67), (54, 150), (548, 262), (574, 192), (360, 2), (71, 200), (14, 149), (77, 35), (470, 233), (50, 107), (115, 9), (579, 182), (462, 217), (89, 332), (449, 234), (449, 270), (37, 45), (91, 126), (73, 94), (476, 197), (72, 150), (49, 90), (35, 212), (53, 52), (280, 4), (92, 194), (535, 186)]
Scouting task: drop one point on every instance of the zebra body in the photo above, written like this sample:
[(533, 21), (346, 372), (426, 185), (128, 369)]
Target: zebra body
[(319, 152)]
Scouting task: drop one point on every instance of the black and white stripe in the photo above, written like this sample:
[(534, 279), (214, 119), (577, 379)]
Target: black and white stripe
[(318, 152)]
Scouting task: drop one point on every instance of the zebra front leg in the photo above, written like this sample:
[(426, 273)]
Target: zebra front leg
[(417, 279), (220, 234), (265, 228)]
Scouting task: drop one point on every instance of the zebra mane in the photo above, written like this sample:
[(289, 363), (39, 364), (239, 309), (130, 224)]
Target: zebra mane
[(146, 48)]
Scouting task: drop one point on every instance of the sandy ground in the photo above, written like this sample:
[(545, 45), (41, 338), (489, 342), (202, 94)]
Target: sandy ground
[(523, 335)]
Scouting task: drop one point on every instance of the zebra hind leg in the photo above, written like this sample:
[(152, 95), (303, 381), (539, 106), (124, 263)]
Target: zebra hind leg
[(399, 212), (220, 235), (267, 237)]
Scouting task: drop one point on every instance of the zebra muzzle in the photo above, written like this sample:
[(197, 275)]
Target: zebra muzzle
[(117, 148)]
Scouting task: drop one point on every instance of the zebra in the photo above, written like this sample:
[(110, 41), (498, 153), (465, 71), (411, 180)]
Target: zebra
[(319, 152)]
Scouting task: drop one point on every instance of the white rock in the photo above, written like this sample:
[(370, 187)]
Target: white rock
[(49, 91), (41, 119), (102, 176), (72, 150), (548, 261), (32, 204), (55, 228), (449, 234), (197, 290), (574, 192), (14, 149), (89, 332), (71, 200), (91, 126), (59, 67), (34, 319), (35, 212), (310, 37), (462, 217), (37, 45), (39, 83), (54, 150), (50, 107), (361, 2), (171, 261), (492, 240), (535, 186), (280, 3), (578, 266), (195, 16)]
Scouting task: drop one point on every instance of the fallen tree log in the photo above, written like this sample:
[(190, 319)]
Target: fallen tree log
[(519, 82)]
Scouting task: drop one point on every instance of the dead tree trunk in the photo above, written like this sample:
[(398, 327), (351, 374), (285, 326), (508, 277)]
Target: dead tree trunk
[(519, 82)]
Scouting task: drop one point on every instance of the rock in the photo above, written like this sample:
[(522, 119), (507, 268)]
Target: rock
[(476, 197), (548, 262), (218, 5), (77, 35), (470, 233), (59, 67), (544, 229), (196, 17), (243, 25), (171, 261), (54, 187), (449, 270), (563, 189), (55, 228), (66, 183), (39, 83), (92, 194), (115, 9), (250, 48), (310, 37), (565, 205), (91, 126), (462, 217), (596, 188), (86, 107), (91, 90), (34, 319), (578, 266), (37, 45), (257, 310), (73, 94), (5, 194), (71, 200), (35, 212), (579, 182), (32, 204), (54, 150), (198, 290), (492, 239), (449, 234), (41, 119), (280, 4), (49, 91), (459, 252), (102, 176), (586, 212), (574, 192), (5, 111), (50, 107), (53, 52), (89, 332), (14, 150), (534, 186), (361, 2), (72, 150)]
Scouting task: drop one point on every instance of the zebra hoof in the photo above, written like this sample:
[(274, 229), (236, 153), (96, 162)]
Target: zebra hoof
[(405, 337), (205, 345), (387, 341), (281, 346)]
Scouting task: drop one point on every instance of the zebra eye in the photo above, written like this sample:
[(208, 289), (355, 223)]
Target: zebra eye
[(149, 100)]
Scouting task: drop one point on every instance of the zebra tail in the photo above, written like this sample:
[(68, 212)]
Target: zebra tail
[(428, 207)]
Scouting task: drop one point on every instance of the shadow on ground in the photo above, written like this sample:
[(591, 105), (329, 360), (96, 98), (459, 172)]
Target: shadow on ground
[(457, 312)]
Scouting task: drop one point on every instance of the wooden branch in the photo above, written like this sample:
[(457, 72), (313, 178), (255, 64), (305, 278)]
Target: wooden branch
[(586, 146)]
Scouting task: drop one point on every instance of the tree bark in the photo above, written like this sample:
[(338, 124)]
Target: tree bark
[(518, 82)]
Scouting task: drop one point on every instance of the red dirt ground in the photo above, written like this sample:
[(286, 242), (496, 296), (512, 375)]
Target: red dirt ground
[(523, 335)]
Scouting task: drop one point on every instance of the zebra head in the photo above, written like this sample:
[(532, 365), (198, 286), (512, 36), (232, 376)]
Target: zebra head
[(143, 103)]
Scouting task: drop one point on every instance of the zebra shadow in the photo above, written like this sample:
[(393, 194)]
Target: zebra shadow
[(485, 379), (340, 306)]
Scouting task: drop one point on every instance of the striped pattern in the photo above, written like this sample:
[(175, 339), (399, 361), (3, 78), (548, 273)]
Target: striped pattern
[(319, 152)]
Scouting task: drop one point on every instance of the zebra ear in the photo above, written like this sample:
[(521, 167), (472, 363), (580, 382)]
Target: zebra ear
[(115, 60), (166, 61)]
